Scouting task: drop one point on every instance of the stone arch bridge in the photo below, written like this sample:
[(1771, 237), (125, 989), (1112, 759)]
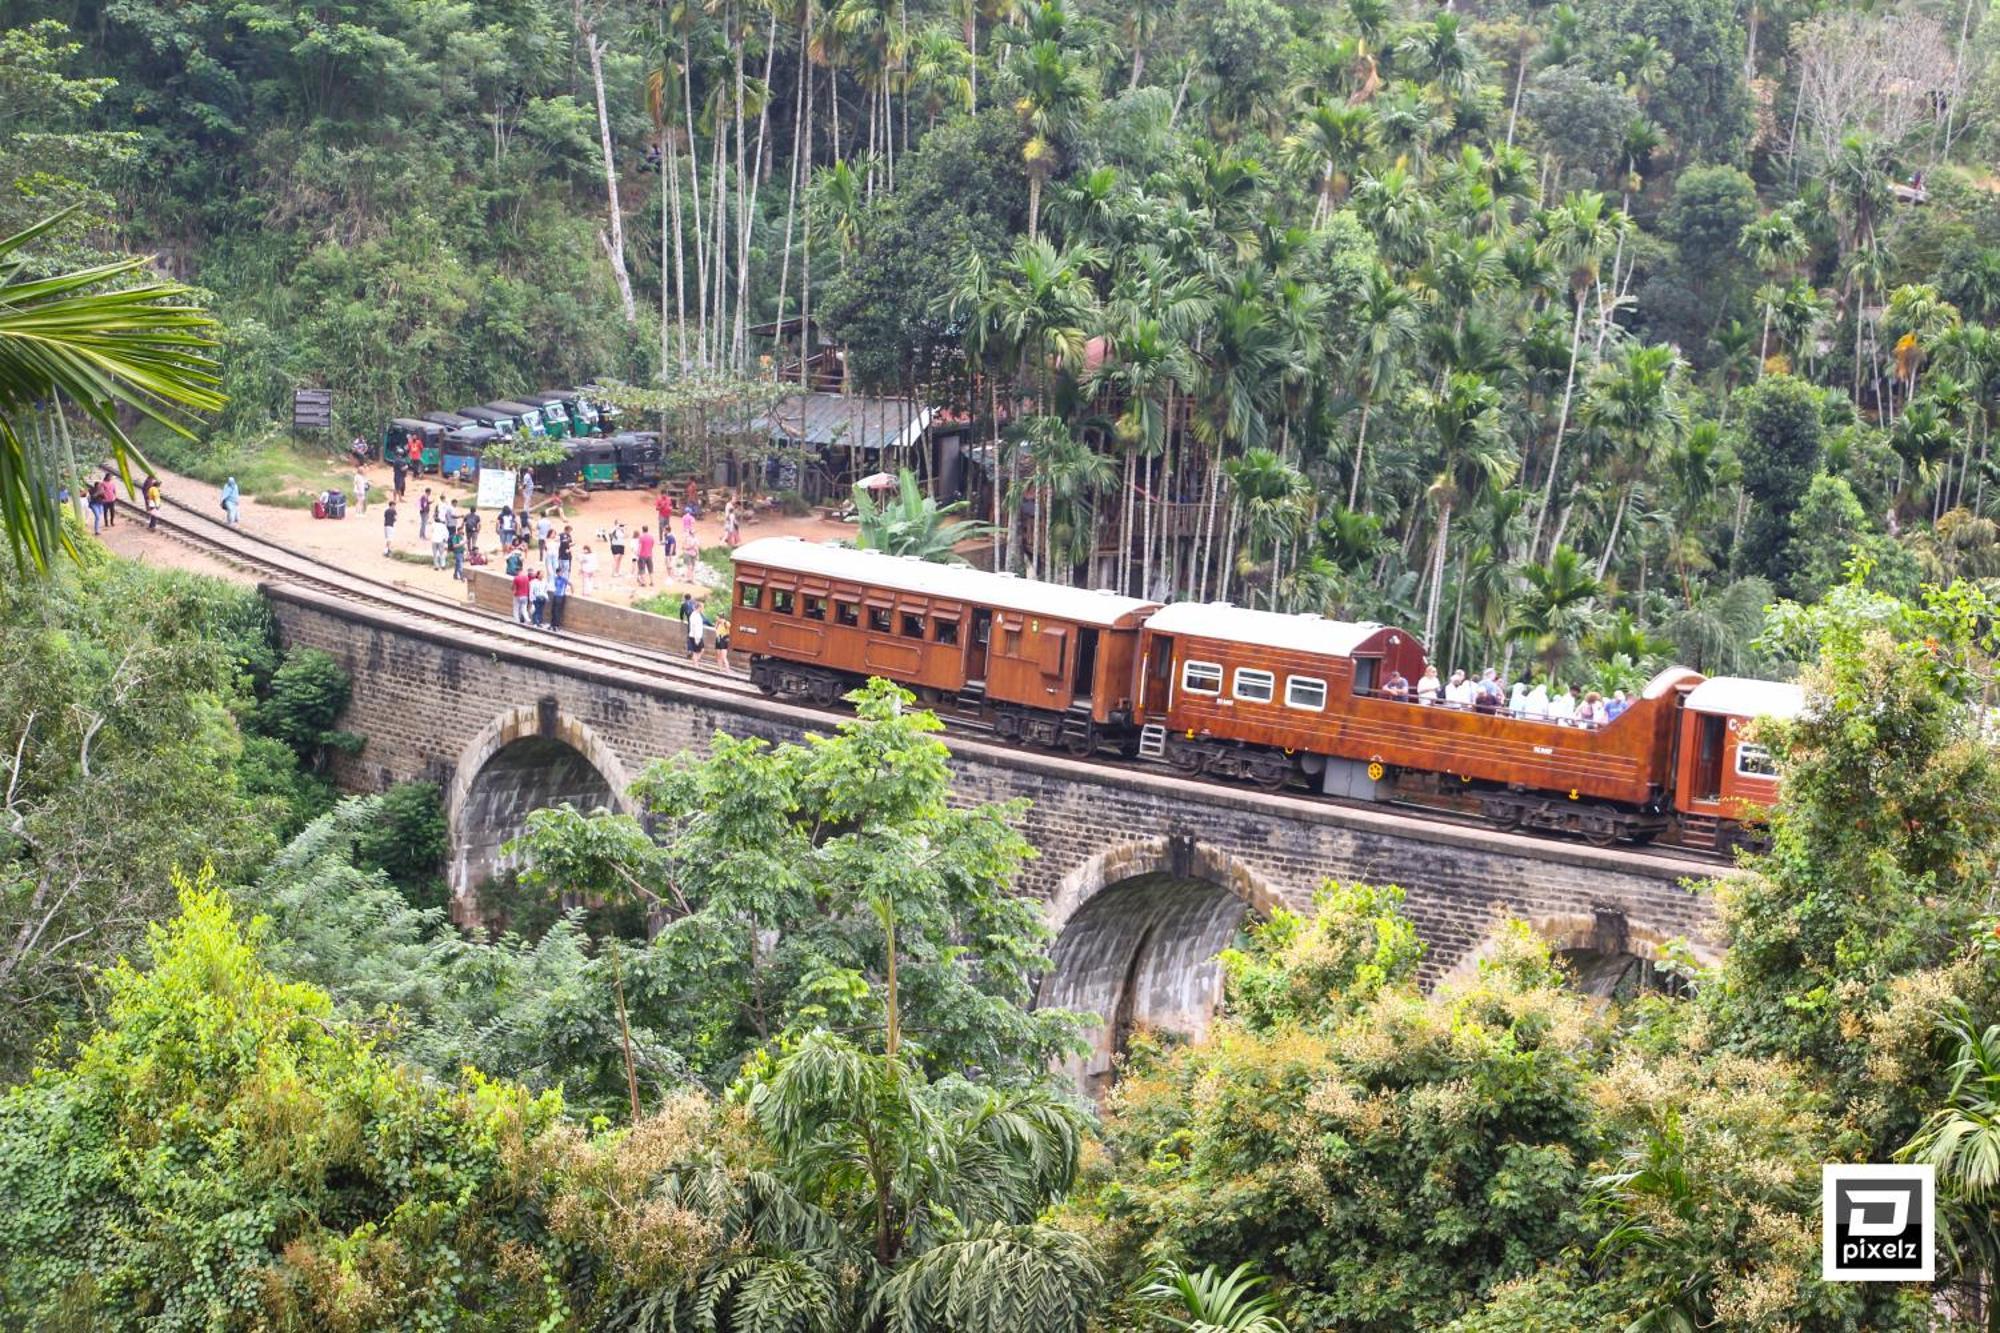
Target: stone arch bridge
[(1145, 875)]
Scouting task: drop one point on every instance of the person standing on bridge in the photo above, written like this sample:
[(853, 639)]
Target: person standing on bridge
[(558, 597), (524, 592), (538, 596), (232, 502), (389, 526), (697, 632)]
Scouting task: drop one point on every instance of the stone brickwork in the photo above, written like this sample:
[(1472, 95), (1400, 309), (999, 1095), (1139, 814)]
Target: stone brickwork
[(438, 707)]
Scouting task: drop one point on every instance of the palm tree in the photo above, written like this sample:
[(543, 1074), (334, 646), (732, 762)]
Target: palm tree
[(1634, 401), (1209, 1302), (1961, 1139), (1580, 233), (86, 339), (1443, 56), (1331, 141), (1556, 609), (1472, 452), (1714, 629), (1386, 326), (1052, 94), (1775, 244)]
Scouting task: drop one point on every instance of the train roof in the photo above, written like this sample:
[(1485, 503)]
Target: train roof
[(976, 587), (1739, 696), (1270, 629)]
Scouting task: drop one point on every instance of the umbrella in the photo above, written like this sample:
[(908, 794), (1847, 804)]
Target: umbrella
[(878, 481)]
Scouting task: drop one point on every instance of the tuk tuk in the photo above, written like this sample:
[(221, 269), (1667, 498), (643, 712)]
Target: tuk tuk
[(595, 462), (555, 415), (493, 419), (640, 458), (396, 437), (528, 415), (462, 448)]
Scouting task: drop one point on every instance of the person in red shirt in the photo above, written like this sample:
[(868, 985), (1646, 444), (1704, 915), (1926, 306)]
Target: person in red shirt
[(663, 507), (645, 567), (523, 591)]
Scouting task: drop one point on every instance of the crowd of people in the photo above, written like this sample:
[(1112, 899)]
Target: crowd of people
[(1570, 706)]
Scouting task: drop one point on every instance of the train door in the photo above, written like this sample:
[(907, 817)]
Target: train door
[(1705, 780), (1366, 669), (977, 646), (1157, 691), (1083, 680)]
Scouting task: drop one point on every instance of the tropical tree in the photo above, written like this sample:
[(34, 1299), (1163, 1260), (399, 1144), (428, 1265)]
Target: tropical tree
[(99, 340), (1470, 451), (914, 523), (1636, 402), (1556, 609)]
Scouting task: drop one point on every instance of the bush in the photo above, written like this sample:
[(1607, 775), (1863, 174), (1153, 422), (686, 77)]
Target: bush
[(410, 842), (305, 698)]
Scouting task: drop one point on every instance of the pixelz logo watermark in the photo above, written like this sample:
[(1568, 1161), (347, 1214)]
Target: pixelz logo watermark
[(1878, 1223)]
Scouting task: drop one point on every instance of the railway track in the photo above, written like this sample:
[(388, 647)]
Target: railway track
[(261, 555)]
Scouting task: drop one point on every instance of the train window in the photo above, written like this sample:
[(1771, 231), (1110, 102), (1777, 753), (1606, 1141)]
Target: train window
[(781, 601), (947, 631), (1307, 692), (1201, 677), (878, 619), (847, 613), (913, 625), (815, 608), (1754, 761), (1253, 687), (750, 594)]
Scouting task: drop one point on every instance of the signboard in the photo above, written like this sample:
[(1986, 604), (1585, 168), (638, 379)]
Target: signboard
[(312, 409), (496, 488)]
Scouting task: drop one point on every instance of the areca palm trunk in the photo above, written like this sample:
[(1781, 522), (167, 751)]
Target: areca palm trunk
[(1617, 521), (694, 198), (1125, 523), (1562, 427), (614, 242), (1437, 577), (801, 159), (1360, 443)]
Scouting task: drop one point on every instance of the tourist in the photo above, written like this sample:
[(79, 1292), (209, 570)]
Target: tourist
[(399, 475), (691, 557), (1429, 687), (424, 512), (503, 523), (473, 522), (1537, 702), (389, 525), (565, 546), (722, 643), (95, 499), (643, 567), (543, 527), (586, 567), (687, 606), (439, 535), (360, 491), (731, 527), (232, 502), (687, 524), (1615, 706), (1517, 703), (107, 486), (527, 491), (663, 513), (558, 597), (1458, 693), (538, 598), (697, 633), (455, 542), (617, 549), (149, 491), (1396, 687), (524, 592), (1591, 712), (516, 558)]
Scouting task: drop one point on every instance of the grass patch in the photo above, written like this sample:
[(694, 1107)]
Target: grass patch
[(666, 604), (273, 467)]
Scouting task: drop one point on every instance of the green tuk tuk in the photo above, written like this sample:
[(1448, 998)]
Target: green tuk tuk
[(462, 448), (556, 415), (595, 461), (396, 437), (527, 414), (640, 458)]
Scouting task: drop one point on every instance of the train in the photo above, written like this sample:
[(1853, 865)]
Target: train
[(1273, 699)]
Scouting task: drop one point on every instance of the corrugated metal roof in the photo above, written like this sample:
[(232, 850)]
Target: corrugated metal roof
[(956, 582), (1270, 629), (848, 420), (1739, 696)]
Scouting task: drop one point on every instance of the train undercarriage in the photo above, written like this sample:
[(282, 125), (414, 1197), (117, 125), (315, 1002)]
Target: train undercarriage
[(1598, 822)]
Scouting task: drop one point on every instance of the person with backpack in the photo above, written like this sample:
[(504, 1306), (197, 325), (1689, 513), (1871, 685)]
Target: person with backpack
[(149, 491), (232, 502)]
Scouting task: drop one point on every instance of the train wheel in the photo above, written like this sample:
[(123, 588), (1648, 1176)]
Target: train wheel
[(1501, 814), (1187, 757), (1600, 826), (1272, 772), (1644, 837), (1082, 743)]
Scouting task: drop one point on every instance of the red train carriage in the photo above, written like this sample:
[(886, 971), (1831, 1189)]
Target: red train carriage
[(1054, 665), (1721, 776), (1266, 696)]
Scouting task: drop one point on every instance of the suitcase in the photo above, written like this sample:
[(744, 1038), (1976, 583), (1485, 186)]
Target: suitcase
[(336, 505)]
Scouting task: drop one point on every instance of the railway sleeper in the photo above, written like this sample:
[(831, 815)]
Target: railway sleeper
[(1599, 823)]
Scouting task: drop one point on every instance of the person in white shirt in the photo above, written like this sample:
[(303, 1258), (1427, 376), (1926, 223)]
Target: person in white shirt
[(1562, 705), (1517, 703), (697, 632), (1428, 685), (1458, 693), (1538, 701), (439, 537)]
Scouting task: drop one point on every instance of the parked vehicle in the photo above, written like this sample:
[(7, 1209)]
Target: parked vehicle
[(462, 449), (508, 424), (396, 437), (527, 415), (640, 458)]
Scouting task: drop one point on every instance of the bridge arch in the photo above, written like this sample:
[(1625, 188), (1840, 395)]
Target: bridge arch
[(1611, 955), (525, 759), (1138, 927)]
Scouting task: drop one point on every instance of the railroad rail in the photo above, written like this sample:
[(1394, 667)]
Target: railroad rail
[(262, 556)]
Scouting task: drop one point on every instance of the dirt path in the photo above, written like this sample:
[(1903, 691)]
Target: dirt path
[(356, 542)]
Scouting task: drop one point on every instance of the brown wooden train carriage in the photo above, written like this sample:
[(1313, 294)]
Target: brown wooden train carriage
[(1722, 773), (1263, 695), (1054, 665)]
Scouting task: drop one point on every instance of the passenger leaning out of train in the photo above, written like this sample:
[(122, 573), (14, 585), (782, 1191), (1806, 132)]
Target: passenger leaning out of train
[(1396, 686), (1458, 693), (1489, 697), (1428, 685)]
